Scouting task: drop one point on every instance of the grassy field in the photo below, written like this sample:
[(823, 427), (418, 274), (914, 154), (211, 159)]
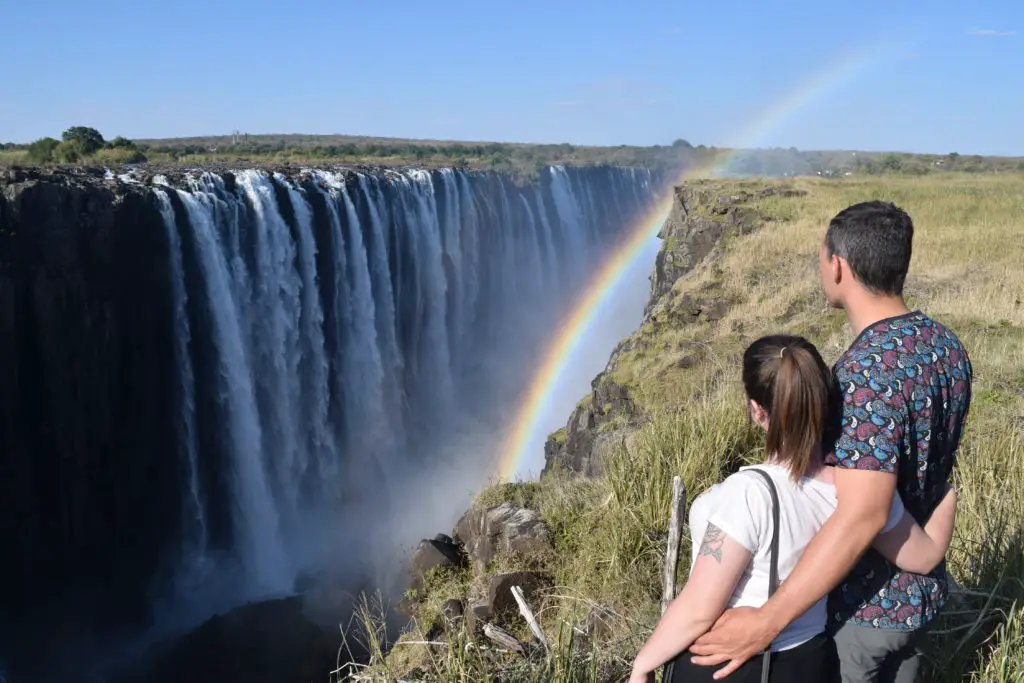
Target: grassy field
[(610, 532), (9, 157)]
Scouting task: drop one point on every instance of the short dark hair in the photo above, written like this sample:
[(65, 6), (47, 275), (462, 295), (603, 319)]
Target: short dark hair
[(875, 238)]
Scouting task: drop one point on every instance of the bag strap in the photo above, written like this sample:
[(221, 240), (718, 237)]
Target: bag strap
[(773, 571)]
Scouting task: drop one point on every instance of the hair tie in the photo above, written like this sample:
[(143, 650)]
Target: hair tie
[(782, 352)]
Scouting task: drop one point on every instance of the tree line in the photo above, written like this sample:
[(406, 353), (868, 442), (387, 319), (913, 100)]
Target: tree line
[(81, 144), (86, 145)]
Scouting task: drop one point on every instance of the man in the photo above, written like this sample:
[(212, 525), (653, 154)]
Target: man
[(905, 386)]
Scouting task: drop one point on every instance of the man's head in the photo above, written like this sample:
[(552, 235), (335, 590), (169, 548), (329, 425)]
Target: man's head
[(866, 249)]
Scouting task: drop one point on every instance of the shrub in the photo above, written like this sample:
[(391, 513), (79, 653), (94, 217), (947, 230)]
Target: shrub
[(41, 151), (119, 155)]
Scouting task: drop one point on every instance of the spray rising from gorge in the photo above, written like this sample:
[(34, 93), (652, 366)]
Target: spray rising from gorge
[(247, 376)]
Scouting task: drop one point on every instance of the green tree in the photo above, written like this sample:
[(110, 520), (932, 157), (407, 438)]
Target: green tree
[(891, 162), (680, 143), (86, 140), (41, 151), (121, 143)]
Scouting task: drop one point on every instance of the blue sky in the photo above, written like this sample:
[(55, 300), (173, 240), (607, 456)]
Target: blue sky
[(939, 76)]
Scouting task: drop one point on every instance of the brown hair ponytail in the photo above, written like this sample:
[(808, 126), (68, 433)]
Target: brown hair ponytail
[(786, 376)]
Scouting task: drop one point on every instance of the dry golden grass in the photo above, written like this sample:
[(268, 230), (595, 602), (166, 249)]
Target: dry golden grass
[(966, 272), (9, 157)]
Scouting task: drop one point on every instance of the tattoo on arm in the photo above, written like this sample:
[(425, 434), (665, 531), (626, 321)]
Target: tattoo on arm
[(714, 541)]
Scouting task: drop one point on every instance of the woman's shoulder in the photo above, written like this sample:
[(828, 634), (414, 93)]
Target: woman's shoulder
[(741, 507), (741, 489)]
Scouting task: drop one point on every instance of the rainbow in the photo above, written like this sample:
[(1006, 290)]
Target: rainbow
[(575, 327)]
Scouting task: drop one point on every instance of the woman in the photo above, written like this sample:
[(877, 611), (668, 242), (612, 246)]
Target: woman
[(787, 386)]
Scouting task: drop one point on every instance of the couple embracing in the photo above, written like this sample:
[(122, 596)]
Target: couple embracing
[(826, 562)]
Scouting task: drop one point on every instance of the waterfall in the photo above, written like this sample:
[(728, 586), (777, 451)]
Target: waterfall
[(328, 362)]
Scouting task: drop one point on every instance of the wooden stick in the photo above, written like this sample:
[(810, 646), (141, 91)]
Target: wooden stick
[(527, 613), (503, 638), (674, 534)]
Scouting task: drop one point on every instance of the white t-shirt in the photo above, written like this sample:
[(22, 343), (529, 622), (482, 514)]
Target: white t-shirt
[(741, 506)]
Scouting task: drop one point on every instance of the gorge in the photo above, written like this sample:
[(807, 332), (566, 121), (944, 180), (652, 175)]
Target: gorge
[(215, 383)]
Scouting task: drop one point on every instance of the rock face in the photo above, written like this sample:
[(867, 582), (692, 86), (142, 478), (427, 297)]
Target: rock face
[(85, 351), (699, 220), (503, 528), (586, 440)]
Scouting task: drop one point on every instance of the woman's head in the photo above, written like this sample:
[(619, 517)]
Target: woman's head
[(788, 387)]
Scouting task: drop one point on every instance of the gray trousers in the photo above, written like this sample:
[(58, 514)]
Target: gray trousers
[(873, 655)]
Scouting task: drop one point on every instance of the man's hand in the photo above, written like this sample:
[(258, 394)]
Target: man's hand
[(739, 634)]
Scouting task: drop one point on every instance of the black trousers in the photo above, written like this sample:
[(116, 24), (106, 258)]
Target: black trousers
[(811, 662)]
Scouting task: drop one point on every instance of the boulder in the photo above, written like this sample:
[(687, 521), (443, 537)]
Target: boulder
[(503, 528), (431, 555), (500, 600)]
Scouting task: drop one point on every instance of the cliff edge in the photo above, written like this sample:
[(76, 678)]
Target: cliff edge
[(702, 218)]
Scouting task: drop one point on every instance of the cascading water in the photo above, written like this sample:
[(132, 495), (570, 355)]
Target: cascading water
[(253, 512), (330, 357), (195, 536)]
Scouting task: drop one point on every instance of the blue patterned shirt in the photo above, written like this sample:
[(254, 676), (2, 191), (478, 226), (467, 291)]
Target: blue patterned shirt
[(903, 389)]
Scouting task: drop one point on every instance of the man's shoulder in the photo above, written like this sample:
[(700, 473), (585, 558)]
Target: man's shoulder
[(881, 344)]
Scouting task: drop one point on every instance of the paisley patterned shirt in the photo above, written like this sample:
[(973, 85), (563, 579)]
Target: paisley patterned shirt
[(903, 389)]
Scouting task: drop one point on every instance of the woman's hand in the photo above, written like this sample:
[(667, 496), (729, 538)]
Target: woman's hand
[(719, 566), (641, 676)]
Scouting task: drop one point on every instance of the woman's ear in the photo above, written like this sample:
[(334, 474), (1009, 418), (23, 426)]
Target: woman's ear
[(759, 415)]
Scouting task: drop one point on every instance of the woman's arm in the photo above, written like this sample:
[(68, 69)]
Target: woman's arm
[(720, 564), (918, 550)]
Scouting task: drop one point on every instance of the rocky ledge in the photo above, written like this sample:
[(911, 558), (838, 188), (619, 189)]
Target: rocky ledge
[(700, 221), (481, 536)]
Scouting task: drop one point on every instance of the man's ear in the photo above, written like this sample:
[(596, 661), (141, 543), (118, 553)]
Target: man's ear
[(840, 268)]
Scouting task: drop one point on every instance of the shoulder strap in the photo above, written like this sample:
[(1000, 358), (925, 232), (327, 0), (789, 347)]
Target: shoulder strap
[(773, 571)]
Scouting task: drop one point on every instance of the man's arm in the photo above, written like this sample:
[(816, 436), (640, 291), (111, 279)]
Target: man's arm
[(864, 499)]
